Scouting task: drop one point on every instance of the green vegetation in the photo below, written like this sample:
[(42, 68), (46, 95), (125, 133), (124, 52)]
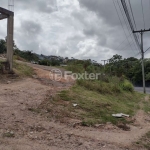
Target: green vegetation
[(144, 141), (0, 65), (34, 110), (47, 62), (96, 99), (107, 85), (2, 46), (94, 105), (26, 55), (23, 70), (9, 135), (80, 66), (129, 67), (146, 106)]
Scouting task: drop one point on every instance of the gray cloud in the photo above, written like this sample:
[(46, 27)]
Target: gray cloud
[(78, 28), (103, 8), (105, 11), (31, 28), (45, 6)]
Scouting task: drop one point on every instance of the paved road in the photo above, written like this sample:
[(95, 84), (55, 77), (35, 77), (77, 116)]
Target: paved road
[(140, 89)]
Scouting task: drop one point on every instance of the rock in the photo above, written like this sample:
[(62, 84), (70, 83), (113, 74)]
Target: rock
[(35, 76), (9, 134), (8, 82), (98, 125), (74, 105)]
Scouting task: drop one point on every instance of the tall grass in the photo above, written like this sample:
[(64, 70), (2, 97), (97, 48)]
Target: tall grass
[(107, 85), (22, 69), (93, 106), (104, 84)]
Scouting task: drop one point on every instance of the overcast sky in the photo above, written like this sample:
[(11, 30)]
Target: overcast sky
[(75, 28)]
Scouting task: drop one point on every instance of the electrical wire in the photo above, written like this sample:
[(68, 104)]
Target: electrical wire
[(126, 22), (147, 50), (121, 23), (143, 13), (130, 22), (137, 54), (149, 5), (123, 41), (125, 47), (133, 15)]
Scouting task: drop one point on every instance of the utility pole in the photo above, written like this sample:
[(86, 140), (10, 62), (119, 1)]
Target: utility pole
[(11, 5), (142, 53), (104, 62)]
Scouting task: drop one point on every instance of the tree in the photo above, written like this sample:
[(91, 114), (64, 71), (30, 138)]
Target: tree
[(3, 48), (115, 58)]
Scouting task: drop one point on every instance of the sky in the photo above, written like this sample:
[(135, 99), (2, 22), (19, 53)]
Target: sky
[(83, 29)]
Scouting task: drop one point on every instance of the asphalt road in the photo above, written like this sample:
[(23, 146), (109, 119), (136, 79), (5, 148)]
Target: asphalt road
[(140, 89)]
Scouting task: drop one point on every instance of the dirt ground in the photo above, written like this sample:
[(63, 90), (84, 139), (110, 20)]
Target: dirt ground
[(22, 128)]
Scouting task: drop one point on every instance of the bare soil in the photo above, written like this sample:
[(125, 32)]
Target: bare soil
[(22, 127)]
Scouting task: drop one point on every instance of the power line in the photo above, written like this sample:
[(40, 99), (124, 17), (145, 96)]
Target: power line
[(133, 16), (123, 41), (149, 6), (121, 22), (130, 22), (11, 5), (147, 50), (127, 46), (126, 22), (143, 13), (137, 54)]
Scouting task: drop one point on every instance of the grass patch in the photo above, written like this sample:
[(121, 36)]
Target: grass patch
[(144, 141), (107, 85), (146, 106), (1, 60), (93, 106), (34, 110), (16, 57), (9, 135), (23, 70)]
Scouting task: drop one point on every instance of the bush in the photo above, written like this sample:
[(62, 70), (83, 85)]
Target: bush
[(0, 65), (23, 70), (109, 86), (100, 86), (75, 68), (127, 86)]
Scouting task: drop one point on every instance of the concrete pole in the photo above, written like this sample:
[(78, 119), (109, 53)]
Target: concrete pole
[(143, 71), (10, 29)]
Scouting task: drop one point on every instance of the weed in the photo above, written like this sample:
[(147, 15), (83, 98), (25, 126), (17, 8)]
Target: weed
[(94, 107), (9, 134), (106, 87), (34, 110), (144, 141), (23, 70)]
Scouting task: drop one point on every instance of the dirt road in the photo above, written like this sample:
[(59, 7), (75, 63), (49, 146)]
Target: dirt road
[(22, 128)]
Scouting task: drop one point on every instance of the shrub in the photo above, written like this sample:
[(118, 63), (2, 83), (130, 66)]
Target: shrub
[(0, 65), (127, 86), (100, 86), (75, 68)]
